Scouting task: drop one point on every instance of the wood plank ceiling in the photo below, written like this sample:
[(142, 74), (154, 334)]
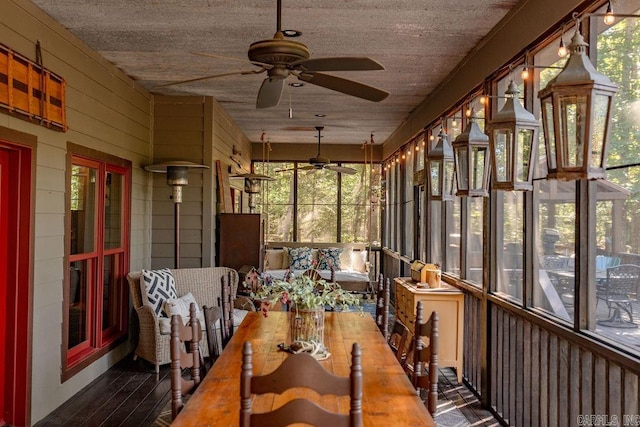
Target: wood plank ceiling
[(419, 42)]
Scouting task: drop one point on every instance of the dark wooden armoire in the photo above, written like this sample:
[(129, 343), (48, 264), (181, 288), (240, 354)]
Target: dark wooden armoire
[(239, 240)]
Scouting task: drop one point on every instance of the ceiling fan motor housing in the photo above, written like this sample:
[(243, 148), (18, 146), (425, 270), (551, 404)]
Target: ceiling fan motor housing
[(279, 53), (318, 161)]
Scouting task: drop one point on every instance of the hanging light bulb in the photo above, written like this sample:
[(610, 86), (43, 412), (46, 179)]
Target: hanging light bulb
[(483, 100), (525, 73), (454, 123), (562, 49), (609, 17), (467, 112), (418, 147)]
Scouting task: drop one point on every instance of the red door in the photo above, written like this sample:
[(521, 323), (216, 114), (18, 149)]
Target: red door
[(15, 283), (4, 244)]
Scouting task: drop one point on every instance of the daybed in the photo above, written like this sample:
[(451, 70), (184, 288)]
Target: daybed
[(350, 263), (155, 329)]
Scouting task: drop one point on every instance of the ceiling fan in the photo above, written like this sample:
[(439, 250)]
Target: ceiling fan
[(320, 163), (281, 57)]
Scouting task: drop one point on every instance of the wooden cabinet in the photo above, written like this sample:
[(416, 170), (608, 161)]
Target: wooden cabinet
[(239, 240), (448, 302)]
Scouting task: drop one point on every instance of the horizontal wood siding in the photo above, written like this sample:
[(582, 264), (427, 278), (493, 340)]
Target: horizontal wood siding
[(178, 135), (107, 112), (544, 379), (196, 129)]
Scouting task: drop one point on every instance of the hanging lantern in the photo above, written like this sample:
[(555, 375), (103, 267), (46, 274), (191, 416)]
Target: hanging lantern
[(513, 139), (440, 177), (576, 113), (471, 154)]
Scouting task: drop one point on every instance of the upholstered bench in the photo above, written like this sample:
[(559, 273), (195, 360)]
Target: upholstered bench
[(204, 285), (351, 268)]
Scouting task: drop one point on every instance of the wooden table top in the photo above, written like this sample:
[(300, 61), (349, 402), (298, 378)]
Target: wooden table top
[(388, 396)]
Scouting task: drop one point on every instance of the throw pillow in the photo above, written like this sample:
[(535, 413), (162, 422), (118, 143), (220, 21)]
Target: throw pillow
[(359, 261), (273, 259), (329, 257), (181, 306), (299, 258), (159, 286)]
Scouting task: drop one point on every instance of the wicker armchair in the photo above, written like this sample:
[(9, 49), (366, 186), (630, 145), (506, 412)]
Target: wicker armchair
[(203, 283)]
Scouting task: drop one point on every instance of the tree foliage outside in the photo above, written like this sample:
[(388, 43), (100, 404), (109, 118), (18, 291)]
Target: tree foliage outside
[(311, 196), (619, 58)]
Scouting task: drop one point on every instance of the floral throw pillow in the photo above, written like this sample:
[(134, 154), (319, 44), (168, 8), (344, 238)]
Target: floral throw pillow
[(299, 258), (329, 257), (159, 286)]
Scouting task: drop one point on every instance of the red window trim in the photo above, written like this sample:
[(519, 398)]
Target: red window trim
[(98, 342)]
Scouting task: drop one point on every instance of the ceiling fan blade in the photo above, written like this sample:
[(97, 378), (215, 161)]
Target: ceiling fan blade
[(341, 169), (231, 58), (345, 63), (284, 170), (270, 93), (215, 76), (307, 168), (345, 86)]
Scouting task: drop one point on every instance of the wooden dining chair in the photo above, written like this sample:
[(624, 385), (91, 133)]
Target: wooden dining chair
[(383, 296), (301, 370), (425, 352), (189, 335), (399, 341), (212, 319), (226, 304)]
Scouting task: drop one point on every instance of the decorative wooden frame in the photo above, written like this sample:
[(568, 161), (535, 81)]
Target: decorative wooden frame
[(30, 91)]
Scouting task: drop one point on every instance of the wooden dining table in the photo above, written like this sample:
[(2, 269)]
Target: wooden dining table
[(388, 396)]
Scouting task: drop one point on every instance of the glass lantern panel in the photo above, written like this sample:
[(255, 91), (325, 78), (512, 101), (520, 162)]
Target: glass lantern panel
[(435, 168), (600, 113), (448, 177), (523, 154), (462, 168), (476, 174), (501, 138), (549, 132), (573, 122)]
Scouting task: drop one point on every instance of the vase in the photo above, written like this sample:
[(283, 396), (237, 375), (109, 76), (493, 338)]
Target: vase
[(307, 324)]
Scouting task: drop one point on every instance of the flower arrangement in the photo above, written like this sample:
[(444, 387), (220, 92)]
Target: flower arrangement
[(304, 293)]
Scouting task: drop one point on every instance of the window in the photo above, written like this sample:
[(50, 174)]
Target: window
[(618, 205), (407, 227), (96, 301), (309, 205), (359, 205), (317, 208), (277, 201)]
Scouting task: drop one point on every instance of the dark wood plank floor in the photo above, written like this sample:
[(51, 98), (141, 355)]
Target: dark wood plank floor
[(128, 394), (131, 394)]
